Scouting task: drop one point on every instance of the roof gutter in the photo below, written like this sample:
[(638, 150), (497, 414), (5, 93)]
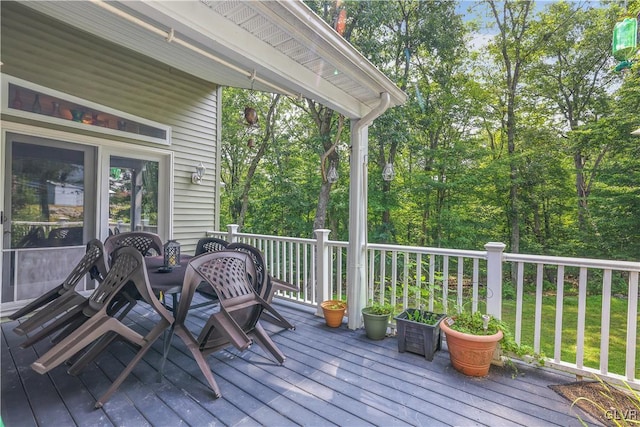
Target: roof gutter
[(337, 48), (385, 101)]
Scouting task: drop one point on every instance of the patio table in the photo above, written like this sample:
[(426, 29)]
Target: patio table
[(166, 283)]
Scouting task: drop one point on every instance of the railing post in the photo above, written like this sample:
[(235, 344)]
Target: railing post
[(232, 230), (323, 290), (494, 278)]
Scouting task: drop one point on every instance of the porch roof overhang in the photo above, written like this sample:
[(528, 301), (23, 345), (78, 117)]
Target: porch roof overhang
[(272, 46)]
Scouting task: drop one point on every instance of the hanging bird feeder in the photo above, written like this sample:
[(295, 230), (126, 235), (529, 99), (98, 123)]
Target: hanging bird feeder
[(250, 116), (625, 42)]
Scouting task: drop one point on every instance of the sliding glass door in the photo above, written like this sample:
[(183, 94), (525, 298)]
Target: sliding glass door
[(48, 212), (59, 194)]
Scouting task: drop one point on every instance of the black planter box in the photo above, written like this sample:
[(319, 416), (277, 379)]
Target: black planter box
[(416, 337)]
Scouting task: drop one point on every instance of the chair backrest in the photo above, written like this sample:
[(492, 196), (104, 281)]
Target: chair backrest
[(93, 262), (143, 241), (210, 244), (125, 262), (233, 276), (262, 283), (128, 269)]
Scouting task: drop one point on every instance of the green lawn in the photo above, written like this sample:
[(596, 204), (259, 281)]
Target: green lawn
[(617, 333)]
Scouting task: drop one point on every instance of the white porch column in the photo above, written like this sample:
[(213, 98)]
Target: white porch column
[(357, 249)]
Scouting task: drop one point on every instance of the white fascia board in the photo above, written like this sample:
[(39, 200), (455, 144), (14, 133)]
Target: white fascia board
[(199, 23), (334, 46)]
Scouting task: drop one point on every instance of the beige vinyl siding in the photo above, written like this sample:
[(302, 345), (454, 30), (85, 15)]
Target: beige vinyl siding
[(54, 55)]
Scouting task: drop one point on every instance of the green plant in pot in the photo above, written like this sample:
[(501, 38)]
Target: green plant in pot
[(376, 319), (472, 339)]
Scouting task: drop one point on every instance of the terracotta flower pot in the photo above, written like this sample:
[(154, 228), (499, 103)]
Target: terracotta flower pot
[(333, 312), (470, 354)]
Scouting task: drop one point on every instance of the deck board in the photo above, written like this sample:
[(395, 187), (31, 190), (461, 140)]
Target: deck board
[(330, 377)]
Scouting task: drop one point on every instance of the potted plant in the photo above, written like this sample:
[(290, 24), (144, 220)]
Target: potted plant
[(376, 319), (472, 339), (418, 331), (333, 312)]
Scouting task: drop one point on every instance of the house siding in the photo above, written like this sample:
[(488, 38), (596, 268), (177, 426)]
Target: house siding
[(52, 54)]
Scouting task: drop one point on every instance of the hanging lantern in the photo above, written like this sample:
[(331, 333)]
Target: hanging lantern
[(171, 254), (250, 116), (332, 175), (625, 39), (388, 173)]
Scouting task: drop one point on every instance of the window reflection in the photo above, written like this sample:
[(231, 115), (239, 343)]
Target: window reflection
[(47, 196), (133, 195)]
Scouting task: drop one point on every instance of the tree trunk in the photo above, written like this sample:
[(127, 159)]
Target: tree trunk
[(268, 133), (323, 116)]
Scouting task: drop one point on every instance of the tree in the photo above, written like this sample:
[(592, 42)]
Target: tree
[(514, 48), (574, 76), (242, 158)]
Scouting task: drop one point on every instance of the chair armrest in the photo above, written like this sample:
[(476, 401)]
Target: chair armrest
[(281, 285)]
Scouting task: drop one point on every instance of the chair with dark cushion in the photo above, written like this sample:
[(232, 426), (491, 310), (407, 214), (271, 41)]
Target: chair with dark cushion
[(64, 296), (96, 321)]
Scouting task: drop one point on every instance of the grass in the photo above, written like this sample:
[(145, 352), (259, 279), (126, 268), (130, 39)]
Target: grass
[(592, 340)]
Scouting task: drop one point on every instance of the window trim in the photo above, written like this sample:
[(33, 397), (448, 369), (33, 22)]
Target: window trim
[(105, 148), (6, 108)]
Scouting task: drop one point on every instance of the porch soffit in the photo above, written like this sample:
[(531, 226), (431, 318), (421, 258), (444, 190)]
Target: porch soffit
[(290, 48)]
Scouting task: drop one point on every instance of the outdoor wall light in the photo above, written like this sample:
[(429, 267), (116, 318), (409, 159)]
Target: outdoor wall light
[(388, 173), (196, 177)]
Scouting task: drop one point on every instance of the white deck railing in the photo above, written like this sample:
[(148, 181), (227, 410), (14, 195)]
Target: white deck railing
[(446, 279)]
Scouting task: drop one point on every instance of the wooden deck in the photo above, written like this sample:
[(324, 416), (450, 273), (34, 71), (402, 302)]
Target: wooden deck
[(331, 377)]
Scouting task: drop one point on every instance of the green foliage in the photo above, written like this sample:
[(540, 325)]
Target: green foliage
[(423, 316), (593, 331), (449, 145), (375, 307), (474, 323), (483, 324)]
